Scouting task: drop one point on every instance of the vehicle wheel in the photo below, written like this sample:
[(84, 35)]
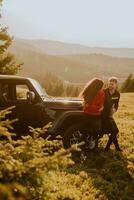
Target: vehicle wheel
[(76, 134), (91, 142)]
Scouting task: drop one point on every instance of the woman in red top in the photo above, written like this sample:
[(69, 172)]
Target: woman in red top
[(93, 103)]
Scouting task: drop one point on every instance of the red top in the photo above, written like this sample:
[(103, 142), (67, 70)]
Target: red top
[(94, 107)]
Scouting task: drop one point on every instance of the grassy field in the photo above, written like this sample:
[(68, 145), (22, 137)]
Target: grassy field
[(105, 175), (42, 175)]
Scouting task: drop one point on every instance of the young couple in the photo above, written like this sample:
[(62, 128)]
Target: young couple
[(99, 105)]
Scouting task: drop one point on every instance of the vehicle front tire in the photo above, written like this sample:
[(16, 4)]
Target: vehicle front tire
[(75, 134)]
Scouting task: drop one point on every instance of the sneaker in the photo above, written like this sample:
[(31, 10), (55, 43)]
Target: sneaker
[(91, 144)]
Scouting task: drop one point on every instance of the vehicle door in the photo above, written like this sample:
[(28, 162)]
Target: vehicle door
[(28, 113)]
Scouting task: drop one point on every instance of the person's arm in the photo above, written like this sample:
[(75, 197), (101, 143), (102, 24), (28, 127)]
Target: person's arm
[(116, 105), (101, 103)]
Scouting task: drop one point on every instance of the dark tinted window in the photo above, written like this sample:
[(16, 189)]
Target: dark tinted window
[(5, 92)]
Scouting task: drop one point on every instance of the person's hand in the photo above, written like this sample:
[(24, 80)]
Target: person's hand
[(101, 109), (117, 135), (113, 111)]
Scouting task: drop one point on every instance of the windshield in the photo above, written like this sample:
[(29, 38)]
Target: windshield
[(39, 89)]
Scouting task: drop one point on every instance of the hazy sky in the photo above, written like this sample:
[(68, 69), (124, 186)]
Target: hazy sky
[(92, 22)]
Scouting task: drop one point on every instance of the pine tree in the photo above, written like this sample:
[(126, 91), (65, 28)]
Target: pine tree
[(131, 85), (8, 63), (125, 85), (128, 85)]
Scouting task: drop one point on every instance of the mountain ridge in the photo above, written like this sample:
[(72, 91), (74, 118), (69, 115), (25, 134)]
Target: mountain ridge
[(74, 67), (53, 47)]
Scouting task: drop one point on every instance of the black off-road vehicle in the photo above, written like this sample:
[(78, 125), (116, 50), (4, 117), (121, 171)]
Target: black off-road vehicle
[(33, 107)]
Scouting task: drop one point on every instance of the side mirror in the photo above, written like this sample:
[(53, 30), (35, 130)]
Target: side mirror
[(31, 96), (5, 96)]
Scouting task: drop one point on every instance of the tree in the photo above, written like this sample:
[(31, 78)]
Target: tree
[(8, 63), (128, 85), (131, 85)]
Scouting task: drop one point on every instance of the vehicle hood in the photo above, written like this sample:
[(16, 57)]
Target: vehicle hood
[(64, 104)]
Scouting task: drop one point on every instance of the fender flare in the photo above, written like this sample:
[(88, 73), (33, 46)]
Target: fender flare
[(63, 117)]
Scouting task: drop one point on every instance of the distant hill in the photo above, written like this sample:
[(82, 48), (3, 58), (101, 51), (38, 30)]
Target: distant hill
[(60, 48), (75, 68)]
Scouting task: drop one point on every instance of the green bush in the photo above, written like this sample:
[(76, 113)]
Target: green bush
[(30, 161)]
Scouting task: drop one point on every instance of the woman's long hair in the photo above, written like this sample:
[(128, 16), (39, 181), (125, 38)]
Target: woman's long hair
[(91, 89)]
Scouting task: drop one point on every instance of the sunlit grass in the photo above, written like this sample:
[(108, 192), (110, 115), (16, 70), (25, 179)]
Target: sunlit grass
[(101, 176), (111, 174)]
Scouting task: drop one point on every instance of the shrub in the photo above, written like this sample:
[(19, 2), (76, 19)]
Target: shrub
[(29, 161)]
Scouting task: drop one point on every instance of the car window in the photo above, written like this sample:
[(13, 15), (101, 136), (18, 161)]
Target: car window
[(21, 92), (5, 92)]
